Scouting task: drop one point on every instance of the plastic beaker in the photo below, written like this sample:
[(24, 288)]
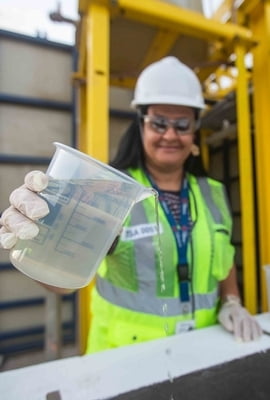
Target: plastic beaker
[(267, 275), (88, 203)]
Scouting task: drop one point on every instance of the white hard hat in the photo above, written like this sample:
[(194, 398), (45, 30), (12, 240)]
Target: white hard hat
[(168, 81)]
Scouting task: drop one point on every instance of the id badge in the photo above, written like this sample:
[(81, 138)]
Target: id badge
[(184, 326)]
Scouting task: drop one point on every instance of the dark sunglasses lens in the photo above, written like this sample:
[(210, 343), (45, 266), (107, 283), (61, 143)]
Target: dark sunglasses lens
[(159, 125), (183, 125)]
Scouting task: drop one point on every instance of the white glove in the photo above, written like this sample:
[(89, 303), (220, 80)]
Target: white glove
[(26, 206), (238, 320)]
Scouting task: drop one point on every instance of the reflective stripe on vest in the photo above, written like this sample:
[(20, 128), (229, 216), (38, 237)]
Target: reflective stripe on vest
[(206, 192), (146, 300), (141, 302)]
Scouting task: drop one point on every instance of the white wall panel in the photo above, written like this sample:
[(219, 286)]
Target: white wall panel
[(35, 71), (31, 131)]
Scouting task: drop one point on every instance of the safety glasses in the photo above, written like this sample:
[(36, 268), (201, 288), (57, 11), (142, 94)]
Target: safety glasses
[(181, 126)]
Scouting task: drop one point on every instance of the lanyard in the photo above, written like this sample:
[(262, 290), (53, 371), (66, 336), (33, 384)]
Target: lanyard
[(181, 233)]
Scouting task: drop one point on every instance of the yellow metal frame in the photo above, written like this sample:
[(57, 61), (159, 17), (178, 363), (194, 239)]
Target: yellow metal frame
[(260, 24), (217, 77), (246, 182), (227, 12), (170, 21), (177, 19), (94, 109), (160, 46)]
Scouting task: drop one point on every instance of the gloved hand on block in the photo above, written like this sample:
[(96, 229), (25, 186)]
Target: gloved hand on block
[(17, 221), (236, 319)]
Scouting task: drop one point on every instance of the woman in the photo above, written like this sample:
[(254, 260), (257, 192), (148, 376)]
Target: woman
[(137, 297)]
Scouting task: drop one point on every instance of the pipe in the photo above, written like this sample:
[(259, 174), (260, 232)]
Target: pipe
[(35, 102), (37, 330), (34, 40), (33, 345), (6, 349), (36, 301), (122, 114), (225, 133), (6, 267), (17, 159), (57, 16)]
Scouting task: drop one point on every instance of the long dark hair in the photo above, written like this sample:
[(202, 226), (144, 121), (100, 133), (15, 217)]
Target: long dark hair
[(130, 153)]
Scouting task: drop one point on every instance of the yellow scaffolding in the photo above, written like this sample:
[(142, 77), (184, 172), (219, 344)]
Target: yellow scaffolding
[(260, 25), (152, 29)]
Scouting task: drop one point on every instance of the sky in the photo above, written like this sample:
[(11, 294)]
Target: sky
[(31, 17)]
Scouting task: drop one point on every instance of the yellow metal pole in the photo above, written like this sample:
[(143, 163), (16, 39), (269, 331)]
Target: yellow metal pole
[(204, 149), (224, 13), (94, 140), (160, 46), (247, 7), (260, 23), (246, 182), (97, 80)]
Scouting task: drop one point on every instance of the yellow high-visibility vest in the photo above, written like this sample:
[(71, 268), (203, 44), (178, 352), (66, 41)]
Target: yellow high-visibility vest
[(136, 297)]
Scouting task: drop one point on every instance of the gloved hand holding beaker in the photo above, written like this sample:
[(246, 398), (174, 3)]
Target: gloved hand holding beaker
[(26, 206), (61, 225)]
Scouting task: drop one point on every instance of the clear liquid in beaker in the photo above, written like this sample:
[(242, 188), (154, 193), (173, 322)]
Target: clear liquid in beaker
[(85, 217)]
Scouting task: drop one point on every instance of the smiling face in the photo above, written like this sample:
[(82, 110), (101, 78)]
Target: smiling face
[(168, 150)]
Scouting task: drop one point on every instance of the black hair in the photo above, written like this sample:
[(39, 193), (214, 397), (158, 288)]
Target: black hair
[(130, 153)]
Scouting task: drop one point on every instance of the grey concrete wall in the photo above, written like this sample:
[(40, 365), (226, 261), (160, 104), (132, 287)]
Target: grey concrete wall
[(33, 72)]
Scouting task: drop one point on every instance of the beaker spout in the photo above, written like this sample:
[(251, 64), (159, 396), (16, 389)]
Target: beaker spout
[(147, 192)]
